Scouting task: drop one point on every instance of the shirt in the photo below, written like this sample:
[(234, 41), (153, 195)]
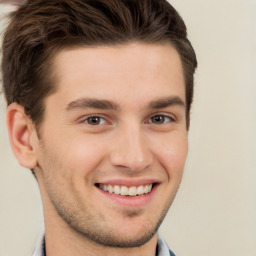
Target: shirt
[(162, 248)]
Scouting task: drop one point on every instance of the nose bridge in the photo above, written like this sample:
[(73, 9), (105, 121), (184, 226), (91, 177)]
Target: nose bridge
[(131, 149)]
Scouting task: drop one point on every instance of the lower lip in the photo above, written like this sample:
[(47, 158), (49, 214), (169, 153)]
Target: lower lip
[(131, 201)]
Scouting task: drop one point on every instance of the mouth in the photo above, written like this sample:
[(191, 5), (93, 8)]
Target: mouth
[(125, 191)]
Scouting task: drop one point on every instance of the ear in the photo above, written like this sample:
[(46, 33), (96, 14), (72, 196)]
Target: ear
[(21, 130)]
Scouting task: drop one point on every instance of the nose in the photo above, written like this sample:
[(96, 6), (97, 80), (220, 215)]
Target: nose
[(130, 150)]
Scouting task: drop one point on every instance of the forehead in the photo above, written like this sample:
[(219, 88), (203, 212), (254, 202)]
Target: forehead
[(107, 71)]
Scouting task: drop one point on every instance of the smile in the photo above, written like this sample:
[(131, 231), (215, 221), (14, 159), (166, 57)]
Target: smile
[(126, 191)]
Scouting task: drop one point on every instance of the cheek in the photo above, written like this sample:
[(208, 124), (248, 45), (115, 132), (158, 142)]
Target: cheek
[(172, 155), (67, 164), (79, 156)]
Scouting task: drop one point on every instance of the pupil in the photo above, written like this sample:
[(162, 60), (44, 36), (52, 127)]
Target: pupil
[(158, 119), (94, 120)]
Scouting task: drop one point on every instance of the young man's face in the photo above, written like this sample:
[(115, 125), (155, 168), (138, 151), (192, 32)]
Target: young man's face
[(116, 123)]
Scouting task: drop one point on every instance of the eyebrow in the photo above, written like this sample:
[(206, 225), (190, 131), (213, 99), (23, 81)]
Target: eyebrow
[(166, 102), (84, 103), (91, 103)]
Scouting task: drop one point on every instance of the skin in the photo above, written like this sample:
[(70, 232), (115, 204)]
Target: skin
[(136, 92)]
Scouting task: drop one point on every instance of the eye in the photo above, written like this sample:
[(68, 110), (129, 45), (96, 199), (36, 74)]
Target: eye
[(95, 120), (160, 119)]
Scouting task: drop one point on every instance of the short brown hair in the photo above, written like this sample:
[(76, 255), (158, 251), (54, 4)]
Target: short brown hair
[(39, 29)]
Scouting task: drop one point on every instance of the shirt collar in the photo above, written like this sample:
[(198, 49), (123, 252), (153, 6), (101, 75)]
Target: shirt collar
[(40, 247), (163, 249)]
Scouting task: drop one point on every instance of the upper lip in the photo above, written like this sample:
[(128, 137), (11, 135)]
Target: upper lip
[(128, 183)]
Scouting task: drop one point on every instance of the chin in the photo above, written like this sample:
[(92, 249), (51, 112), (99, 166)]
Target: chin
[(122, 241)]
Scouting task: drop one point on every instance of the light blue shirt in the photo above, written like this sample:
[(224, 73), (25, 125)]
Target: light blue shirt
[(163, 249)]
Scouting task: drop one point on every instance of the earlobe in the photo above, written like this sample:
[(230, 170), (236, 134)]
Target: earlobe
[(20, 130)]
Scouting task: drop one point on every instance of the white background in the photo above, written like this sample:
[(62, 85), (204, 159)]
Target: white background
[(214, 213)]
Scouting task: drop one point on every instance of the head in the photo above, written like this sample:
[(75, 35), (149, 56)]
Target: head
[(99, 95)]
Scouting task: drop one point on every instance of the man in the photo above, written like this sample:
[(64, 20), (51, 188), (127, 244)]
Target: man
[(99, 95)]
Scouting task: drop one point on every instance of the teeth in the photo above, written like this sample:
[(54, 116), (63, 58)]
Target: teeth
[(140, 190), (110, 189), (124, 191), (127, 191), (116, 190), (132, 191)]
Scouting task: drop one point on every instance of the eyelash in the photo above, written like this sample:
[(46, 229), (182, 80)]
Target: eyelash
[(150, 121)]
